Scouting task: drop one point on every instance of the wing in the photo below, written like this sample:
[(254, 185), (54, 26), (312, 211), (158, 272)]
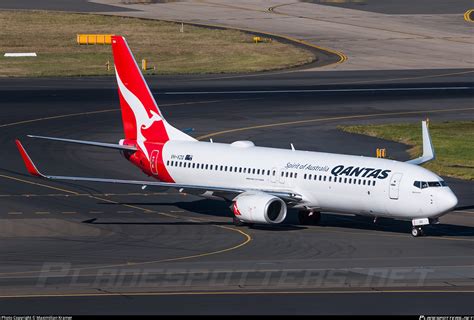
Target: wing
[(226, 193), (428, 151)]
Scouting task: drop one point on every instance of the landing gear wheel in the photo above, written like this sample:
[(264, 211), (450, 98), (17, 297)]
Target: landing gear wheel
[(309, 218), (416, 232), (237, 222)]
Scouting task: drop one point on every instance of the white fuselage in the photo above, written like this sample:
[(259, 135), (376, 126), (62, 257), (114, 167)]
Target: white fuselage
[(326, 181)]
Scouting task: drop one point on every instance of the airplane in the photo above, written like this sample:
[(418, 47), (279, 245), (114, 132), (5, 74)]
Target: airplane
[(262, 183)]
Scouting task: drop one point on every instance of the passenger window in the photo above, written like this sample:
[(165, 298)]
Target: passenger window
[(304, 176), (274, 172), (253, 171), (373, 183), (291, 174), (296, 175), (330, 178), (258, 171), (345, 180)]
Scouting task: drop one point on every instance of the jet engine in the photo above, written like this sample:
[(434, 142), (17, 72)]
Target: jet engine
[(259, 207)]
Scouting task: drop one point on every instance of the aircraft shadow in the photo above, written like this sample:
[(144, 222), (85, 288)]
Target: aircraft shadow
[(209, 208), (221, 209), (392, 225)]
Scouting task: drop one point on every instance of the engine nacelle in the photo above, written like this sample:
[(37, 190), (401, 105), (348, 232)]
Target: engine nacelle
[(259, 207)]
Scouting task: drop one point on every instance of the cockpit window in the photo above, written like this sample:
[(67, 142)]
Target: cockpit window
[(430, 184)]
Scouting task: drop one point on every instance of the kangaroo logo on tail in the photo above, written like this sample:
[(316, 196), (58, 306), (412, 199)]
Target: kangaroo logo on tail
[(142, 119), (144, 124)]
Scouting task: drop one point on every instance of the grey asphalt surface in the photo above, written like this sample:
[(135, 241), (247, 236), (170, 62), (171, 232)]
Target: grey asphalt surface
[(276, 304), (68, 238)]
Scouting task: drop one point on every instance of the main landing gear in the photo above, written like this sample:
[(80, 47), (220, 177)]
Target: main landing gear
[(308, 217), (417, 230)]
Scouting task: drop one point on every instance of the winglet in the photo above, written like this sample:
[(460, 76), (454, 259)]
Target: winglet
[(30, 166), (428, 150)]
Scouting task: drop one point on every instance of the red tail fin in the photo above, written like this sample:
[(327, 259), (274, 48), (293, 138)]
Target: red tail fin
[(142, 119)]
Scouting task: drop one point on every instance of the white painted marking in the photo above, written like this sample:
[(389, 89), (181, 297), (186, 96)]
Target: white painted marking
[(15, 212), (319, 90), (20, 54)]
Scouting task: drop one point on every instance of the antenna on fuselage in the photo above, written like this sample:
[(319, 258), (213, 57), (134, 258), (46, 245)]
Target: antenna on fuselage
[(292, 146)]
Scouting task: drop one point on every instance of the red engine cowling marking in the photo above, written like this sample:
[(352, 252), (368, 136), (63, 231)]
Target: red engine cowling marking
[(235, 209)]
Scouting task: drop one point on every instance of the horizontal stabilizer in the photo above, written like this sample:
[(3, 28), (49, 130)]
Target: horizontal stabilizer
[(89, 143)]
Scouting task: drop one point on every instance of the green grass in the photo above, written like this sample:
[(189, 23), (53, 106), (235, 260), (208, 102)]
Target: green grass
[(52, 35), (453, 142)]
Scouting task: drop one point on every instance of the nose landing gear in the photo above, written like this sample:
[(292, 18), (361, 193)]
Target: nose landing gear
[(417, 230)]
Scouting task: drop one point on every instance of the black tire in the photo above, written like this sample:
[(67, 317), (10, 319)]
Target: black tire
[(416, 232), (315, 218), (308, 218), (303, 217)]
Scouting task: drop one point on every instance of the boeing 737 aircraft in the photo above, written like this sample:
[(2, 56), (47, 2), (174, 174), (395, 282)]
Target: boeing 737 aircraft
[(262, 183)]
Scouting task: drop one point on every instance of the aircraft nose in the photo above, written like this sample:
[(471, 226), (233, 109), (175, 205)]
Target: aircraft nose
[(449, 201)]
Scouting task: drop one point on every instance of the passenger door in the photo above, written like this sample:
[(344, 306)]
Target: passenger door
[(394, 188)]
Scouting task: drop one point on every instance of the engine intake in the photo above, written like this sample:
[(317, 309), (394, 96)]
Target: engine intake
[(259, 207)]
